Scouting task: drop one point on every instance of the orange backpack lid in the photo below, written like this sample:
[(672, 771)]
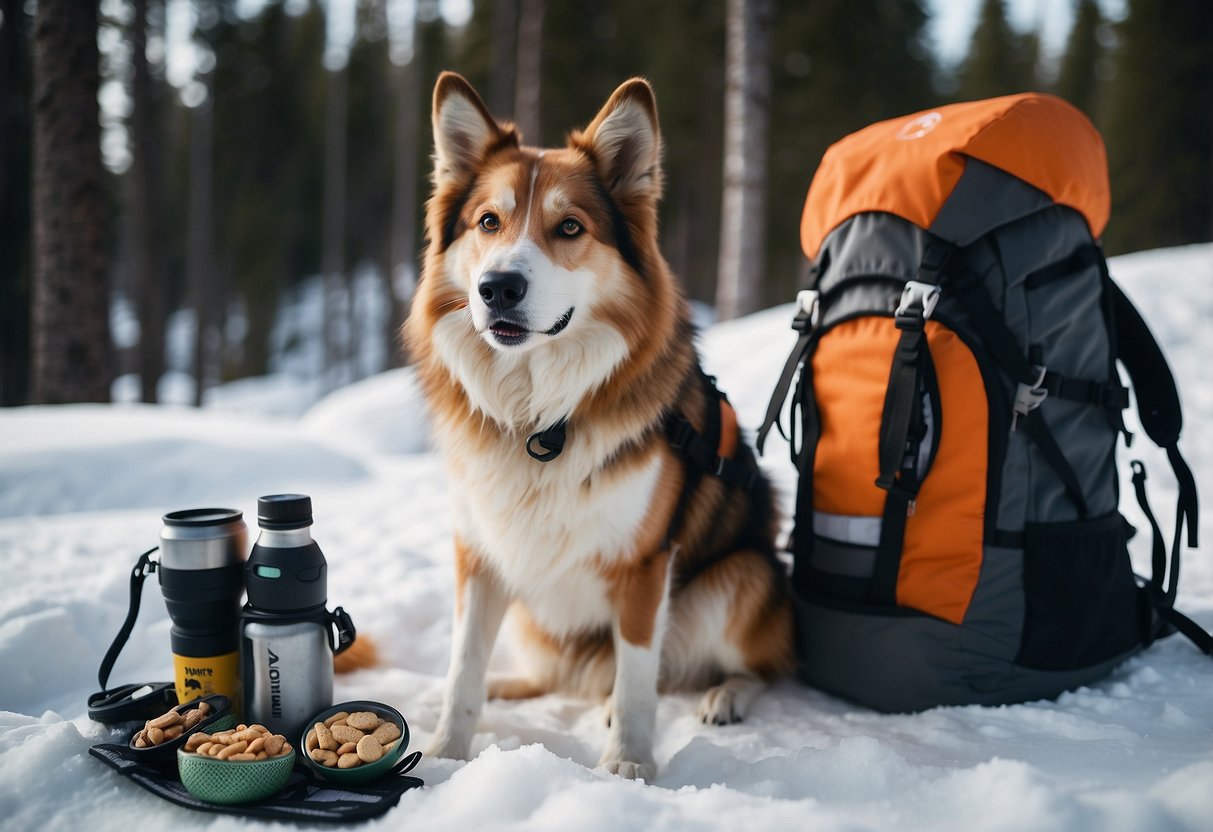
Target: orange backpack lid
[(909, 166)]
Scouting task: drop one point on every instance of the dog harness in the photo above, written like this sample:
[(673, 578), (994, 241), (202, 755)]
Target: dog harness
[(710, 452)]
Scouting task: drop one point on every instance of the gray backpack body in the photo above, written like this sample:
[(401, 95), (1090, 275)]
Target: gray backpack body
[(954, 419)]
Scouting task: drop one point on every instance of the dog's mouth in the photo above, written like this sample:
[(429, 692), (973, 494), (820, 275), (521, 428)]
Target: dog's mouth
[(560, 325), (511, 334)]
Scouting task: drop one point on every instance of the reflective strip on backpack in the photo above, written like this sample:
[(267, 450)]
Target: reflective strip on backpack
[(847, 528)]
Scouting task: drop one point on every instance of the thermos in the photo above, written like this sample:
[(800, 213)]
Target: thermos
[(287, 643), (202, 577)]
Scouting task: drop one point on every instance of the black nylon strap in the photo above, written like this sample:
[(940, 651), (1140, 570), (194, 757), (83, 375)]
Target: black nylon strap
[(1035, 427), (1194, 632), (143, 567), (804, 455), (1153, 384), (1111, 396), (780, 395), (1157, 402), (887, 566), (1158, 551), (700, 451), (991, 326), (901, 401)]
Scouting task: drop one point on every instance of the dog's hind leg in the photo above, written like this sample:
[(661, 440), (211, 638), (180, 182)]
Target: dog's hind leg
[(480, 605)]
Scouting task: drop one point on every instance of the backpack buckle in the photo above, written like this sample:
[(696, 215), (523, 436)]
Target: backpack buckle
[(808, 310), (918, 299), (1029, 396)]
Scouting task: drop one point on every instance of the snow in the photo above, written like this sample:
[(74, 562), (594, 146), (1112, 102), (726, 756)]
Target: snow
[(82, 489)]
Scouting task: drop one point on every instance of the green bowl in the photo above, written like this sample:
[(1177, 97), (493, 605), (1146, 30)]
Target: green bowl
[(367, 771), (233, 781)]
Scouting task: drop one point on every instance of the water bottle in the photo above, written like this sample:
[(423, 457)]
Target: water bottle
[(202, 577), (287, 634)]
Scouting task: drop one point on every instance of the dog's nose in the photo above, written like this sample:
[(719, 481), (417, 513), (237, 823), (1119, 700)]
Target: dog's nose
[(502, 290)]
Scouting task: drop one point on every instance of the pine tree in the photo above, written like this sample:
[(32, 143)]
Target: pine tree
[(1078, 80), (1159, 128), (71, 341), (1000, 61), (822, 92), (148, 278)]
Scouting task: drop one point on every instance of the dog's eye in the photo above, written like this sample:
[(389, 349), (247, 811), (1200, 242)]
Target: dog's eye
[(490, 223), (571, 228)]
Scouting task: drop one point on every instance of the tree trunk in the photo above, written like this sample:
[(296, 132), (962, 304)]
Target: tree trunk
[(148, 278), (71, 339), (530, 51), (200, 244), (403, 279), (502, 57), (337, 300), (14, 206), (747, 104)]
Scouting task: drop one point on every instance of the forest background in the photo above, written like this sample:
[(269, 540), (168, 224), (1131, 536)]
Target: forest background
[(175, 173)]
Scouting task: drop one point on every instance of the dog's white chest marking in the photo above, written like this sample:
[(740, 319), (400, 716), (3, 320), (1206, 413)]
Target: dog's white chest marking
[(545, 531)]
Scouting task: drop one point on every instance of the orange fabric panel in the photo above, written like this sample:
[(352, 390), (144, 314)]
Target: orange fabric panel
[(942, 553), (942, 556), (908, 166), (850, 375)]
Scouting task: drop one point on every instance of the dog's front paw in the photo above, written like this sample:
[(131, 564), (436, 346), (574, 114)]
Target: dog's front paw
[(448, 747), (632, 771)]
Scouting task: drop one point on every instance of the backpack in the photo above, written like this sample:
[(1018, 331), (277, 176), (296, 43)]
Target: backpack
[(955, 408)]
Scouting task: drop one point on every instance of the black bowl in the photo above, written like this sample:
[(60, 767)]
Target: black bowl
[(219, 718)]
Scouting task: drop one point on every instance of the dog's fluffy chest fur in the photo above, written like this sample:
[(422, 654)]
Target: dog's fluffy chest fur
[(549, 531)]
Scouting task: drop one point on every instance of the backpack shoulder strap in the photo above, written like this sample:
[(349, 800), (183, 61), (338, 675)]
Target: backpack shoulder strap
[(1162, 419)]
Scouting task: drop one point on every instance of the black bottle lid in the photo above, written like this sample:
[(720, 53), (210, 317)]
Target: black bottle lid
[(281, 512)]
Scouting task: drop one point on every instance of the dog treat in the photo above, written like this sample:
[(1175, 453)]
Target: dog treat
[(244, 743), (325, 738), (369, 750), (345, 733), (358, 738), (170, 725), (363, 721)]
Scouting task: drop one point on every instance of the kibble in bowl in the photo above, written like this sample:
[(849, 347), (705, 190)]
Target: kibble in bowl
[(354, 742), (239, 765), (160, 737)]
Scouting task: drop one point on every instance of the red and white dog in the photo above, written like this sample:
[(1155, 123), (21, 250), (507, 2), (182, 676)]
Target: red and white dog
[(545, 302)]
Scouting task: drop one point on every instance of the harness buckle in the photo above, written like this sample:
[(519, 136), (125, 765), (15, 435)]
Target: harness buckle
[(808, 310), (918, 298), (1029, 396)]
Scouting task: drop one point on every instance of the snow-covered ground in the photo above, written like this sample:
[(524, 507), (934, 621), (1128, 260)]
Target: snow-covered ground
[(82, 489)]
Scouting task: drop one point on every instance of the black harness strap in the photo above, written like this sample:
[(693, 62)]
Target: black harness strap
[(702, 451)]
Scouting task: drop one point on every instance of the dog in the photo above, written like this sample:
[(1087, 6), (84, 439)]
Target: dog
[(555, 349)]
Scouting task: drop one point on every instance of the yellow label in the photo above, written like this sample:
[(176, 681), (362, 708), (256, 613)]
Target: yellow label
[(198, 676)]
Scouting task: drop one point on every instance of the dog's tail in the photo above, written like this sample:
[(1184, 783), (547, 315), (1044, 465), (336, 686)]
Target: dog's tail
[(360, 655)]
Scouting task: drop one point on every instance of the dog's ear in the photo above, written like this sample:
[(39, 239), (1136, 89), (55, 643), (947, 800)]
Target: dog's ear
[(625, 141), (464, 130)]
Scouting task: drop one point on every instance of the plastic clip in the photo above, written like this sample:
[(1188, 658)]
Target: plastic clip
[(1029, 396), (918, 297)]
